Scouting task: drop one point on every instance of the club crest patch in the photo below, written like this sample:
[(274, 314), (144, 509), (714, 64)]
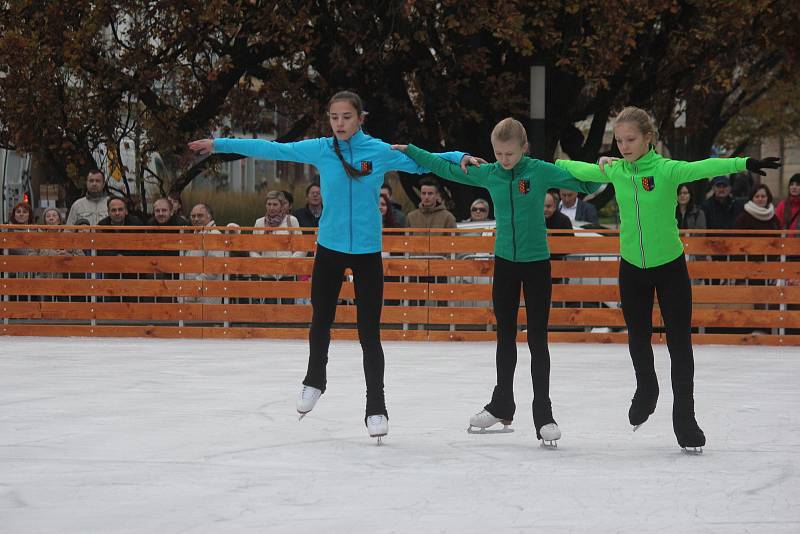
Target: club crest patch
[(648, 183), (366, 167), (524, 186)]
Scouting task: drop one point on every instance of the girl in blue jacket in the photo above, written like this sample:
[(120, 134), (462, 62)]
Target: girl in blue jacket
[(351, 165)]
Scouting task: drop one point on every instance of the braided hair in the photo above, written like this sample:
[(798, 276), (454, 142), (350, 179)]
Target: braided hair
[(355, 101)]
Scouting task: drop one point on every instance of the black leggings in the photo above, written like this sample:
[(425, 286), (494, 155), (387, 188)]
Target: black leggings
[(326, 282), (670, 283), (534, 279)]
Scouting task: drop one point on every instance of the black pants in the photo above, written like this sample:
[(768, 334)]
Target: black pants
[(326, 282), (535, 281), (670, 283)]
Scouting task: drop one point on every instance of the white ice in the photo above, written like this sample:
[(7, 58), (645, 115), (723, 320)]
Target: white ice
[(163, 436)]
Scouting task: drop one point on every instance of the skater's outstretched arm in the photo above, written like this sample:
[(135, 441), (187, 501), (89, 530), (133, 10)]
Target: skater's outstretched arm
[(685, 171), (306, 151), (554, 176), (449, 171), (585, 172), (399, 161)]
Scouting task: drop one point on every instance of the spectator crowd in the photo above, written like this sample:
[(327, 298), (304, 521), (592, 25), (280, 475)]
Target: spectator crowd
[(563, 209)]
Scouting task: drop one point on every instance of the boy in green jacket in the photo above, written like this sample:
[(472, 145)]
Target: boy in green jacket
[(518, 185), (653, 260)]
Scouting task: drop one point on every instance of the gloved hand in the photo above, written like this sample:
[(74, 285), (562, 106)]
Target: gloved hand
[(755, 165)]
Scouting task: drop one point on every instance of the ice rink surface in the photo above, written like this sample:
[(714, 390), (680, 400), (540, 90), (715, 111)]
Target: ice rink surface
[(168, 436)]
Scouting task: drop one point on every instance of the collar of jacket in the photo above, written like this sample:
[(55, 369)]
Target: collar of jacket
[(356, 139), (518, 170), (432, 209), (643, 164)]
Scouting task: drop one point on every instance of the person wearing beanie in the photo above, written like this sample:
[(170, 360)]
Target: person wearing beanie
[(722, 208)]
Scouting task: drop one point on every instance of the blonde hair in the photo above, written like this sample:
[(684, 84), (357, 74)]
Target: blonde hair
[(641, 119), (479, 201), (510, 129), (277, 195)]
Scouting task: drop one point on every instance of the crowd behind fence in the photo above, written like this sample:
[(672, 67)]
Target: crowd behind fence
[(142, 281)]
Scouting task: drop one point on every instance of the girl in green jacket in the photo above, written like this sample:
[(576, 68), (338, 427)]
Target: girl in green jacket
[(518, 185), (653, 261)]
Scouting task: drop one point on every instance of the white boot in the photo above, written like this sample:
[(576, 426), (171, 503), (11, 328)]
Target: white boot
[(307, 399), (483, 420), (550, 433), (377, 426)]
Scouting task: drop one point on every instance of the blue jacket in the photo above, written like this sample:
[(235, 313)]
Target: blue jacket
[(351, 220)]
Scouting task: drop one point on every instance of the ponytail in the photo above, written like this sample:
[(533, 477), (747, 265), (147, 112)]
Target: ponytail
[(351, 171)]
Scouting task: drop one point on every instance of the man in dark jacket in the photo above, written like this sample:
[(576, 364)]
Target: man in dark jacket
[(722, 208), (164, 216), (164, 219), (118, 216), (308, 216), (575, 208)]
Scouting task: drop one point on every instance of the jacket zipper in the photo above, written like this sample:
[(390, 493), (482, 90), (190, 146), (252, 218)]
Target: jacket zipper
[(513, 227), (638, 213), (350, 186)]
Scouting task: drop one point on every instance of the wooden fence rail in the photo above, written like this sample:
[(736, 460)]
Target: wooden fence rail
[(141, 281)]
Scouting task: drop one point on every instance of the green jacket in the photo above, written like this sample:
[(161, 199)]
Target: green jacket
[(646, 192), (518, 197)]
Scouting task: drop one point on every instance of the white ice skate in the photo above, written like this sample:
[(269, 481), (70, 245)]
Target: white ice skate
[(481, 421), (377, 426), (550, 433), (307, 399)]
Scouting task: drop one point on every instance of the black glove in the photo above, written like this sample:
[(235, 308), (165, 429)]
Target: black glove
[(755, 165)]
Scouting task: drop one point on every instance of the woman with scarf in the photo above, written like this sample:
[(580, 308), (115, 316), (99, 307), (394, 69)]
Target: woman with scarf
[(277, 216), (759, 213)]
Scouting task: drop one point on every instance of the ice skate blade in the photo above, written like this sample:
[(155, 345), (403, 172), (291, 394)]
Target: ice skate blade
[(636, 427), (478, 430), (380, 440), (548, 444), (302, 414), (692, 451)]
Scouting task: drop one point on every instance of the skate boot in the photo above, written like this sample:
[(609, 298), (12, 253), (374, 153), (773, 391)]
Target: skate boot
[(547, 430), (481, 421), (643, 404), (307, 399), (690, 437), (377, 426), (549, 434)]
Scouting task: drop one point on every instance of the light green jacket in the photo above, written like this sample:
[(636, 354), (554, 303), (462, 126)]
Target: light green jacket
[(646, 192)]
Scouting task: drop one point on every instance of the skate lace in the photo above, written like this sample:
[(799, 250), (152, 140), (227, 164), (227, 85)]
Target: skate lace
[(483, 415), (374, 420), (308, 393)]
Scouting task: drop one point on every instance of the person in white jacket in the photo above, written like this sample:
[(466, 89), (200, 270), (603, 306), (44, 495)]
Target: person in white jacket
[(277, 216), (94, 206), (203, 218)]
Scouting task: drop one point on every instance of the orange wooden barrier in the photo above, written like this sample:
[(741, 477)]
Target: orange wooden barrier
[(141, 282)]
